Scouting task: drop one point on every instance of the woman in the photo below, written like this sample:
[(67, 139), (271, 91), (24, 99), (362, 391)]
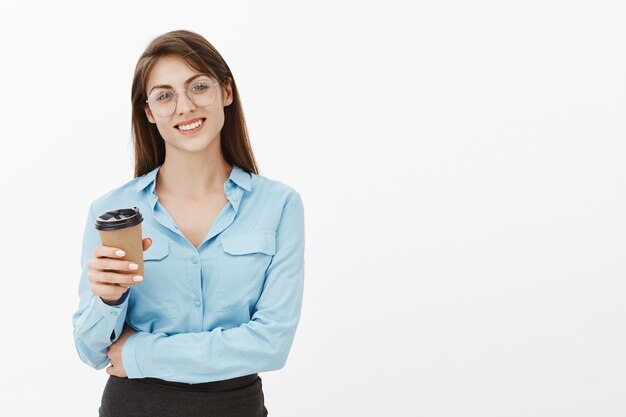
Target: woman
[(223, 251)]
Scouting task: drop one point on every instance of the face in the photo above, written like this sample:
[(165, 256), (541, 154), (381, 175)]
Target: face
[(173, 73)]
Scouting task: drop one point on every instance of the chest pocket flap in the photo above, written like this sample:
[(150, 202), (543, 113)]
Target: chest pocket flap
[(157, 251), (252, 242)]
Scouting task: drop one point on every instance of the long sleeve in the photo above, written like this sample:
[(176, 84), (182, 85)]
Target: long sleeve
[(96, 324), (261, 344)]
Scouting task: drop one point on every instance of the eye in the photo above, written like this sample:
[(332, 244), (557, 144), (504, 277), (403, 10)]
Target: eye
[(163, 95), (200, 87)]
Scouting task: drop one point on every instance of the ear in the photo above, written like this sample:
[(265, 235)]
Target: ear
[(149, 115), (227, 93)]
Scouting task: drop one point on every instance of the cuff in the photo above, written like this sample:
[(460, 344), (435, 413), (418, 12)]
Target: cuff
[(115, 315), (129, 355)]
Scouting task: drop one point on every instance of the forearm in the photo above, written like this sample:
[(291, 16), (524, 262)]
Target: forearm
[(209, 356), (96, 326)]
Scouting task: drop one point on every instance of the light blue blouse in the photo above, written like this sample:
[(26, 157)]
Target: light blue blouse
[(226, 309)]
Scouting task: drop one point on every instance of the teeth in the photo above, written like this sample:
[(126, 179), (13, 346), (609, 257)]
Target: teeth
[(191, 126)]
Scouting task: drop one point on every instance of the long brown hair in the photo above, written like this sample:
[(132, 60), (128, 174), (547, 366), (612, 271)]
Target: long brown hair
[(203, 57)]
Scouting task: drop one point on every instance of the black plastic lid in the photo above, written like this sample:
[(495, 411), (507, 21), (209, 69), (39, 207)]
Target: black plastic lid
[(119, 219)]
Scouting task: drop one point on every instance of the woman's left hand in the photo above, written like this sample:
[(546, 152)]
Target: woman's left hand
[(115, 353)]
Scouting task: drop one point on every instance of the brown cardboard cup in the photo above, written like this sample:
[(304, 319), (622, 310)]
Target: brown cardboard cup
[(122, 229)]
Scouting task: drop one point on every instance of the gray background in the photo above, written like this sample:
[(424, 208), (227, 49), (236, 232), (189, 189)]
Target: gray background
[(462, 170)]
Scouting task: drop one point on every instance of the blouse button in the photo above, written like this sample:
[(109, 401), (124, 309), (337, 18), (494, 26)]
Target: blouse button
[(194, 260)]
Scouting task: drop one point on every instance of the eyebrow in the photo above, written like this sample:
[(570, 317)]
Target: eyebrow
[(186, 82)]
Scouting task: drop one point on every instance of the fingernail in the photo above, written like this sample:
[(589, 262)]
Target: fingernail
[(137, 278), (120, 253), (133, 266)]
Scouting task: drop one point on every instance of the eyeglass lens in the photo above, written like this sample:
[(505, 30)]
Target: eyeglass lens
[(202, 93)]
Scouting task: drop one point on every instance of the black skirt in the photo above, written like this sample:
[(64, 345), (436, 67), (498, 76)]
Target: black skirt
[(149, 397)]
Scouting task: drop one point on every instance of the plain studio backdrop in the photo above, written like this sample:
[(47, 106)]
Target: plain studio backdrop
[(462, 167)]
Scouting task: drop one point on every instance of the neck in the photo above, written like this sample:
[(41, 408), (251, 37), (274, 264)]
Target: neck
[(194, 176)]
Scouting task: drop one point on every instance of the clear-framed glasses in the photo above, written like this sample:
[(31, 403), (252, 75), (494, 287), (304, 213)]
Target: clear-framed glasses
[(202, 93)]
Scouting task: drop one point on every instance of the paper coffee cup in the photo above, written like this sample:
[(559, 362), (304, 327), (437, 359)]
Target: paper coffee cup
[(122, 229)]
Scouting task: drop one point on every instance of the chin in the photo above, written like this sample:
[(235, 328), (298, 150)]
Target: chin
[(192, 144)]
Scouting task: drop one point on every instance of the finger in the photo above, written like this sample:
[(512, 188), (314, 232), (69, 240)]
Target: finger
[(147, 242), (111, 264), (102, 251), (111, 278)]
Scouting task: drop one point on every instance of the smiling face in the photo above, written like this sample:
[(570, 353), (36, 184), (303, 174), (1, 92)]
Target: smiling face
[(190, 127)]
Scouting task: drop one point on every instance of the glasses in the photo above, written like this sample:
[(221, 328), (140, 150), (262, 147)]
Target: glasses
[(202, 93)]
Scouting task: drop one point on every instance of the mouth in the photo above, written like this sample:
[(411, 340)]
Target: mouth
[(191, 125)]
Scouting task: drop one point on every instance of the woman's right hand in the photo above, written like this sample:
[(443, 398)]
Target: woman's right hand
[(106, 283)]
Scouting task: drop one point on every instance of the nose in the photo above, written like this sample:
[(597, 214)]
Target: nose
[(184, 103)]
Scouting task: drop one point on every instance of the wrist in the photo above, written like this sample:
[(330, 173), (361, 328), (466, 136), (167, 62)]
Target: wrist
[(115, 302), (111, 302)]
